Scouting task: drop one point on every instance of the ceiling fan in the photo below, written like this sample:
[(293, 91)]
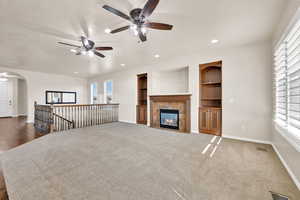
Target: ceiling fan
[(87, 48), (138, 18)]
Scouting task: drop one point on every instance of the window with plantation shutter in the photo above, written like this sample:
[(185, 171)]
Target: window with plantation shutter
[(281, 84), (287, 85), (293, 76)]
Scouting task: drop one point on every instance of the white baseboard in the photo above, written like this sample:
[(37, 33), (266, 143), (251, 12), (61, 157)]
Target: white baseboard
[(19, 115), (129, 122), (247, 139), (292, 175)]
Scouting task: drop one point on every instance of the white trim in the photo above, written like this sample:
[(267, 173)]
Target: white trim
[(247, 139), (19, 115), (290, 172), (287, 135), (293, 21), (292, 175), (128, 122)]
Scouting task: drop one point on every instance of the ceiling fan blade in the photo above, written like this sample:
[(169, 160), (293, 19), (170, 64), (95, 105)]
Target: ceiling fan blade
[(159, 26), (84, 27), (99, 54), (116, 12), (104, 48), (72, 45), (120, 29), (149, 8), (142, 36)]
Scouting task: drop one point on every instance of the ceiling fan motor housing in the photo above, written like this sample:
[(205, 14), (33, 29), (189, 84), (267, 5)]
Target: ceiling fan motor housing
[(87, 44), (135, 15)]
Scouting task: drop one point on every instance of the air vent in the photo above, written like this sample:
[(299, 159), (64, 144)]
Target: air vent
[(261, 149), (279, 196)]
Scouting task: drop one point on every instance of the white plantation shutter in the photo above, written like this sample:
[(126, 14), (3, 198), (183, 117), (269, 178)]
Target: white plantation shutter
[(287, 84), (293, 76), (281, 84)]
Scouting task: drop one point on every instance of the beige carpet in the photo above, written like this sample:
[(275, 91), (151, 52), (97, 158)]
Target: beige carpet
[(128, 162)]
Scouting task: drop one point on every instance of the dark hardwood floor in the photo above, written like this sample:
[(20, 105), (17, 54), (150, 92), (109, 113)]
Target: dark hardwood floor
[(13, 132)]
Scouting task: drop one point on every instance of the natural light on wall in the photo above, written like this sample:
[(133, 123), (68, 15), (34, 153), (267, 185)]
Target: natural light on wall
[(94, 93), (108, 91), (287, 85)]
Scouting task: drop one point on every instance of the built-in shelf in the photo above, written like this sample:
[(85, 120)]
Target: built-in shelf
[(212, 107), (142, 94), (211, 99), (210, 110), (211, 83)]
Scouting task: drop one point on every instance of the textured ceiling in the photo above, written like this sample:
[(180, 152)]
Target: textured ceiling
[(31, 29)]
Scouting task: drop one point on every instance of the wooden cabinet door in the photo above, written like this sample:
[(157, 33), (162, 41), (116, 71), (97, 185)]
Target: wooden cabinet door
[(215, 121), (210, 121), (142, 114), (204, 118)]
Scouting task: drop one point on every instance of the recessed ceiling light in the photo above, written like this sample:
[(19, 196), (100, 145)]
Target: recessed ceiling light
[(214, 41), (76, 72), (123, 65), (107, 30), (157, 56)]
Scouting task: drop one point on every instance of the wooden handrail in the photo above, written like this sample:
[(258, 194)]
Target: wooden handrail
[(51, 118), (80, 105), (62, 118)]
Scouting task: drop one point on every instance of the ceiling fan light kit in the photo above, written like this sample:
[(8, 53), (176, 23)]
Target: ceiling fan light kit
[(87, 48)]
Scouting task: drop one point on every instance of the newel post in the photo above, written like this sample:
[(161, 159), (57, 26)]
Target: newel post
[(51, 119), (35, 115)]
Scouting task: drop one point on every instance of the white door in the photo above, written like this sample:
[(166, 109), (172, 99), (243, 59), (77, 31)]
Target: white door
[(5, 99)]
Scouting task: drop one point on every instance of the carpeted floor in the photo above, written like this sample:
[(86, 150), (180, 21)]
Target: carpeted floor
[(125, 162)]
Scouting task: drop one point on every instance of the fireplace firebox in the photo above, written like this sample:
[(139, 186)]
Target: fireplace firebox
[(169, 119)]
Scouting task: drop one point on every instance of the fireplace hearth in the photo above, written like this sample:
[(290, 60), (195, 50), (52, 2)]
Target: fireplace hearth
[(169, 119)]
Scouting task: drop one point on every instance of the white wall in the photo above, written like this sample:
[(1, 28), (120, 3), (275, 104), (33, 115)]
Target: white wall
[(289, 13), (38, 83), (170, 81), (22, 97), (288, 153), (246, 88), (14, 82)]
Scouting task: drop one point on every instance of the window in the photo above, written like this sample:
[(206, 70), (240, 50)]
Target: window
[(108, 91), (94, 93), (287, 84)]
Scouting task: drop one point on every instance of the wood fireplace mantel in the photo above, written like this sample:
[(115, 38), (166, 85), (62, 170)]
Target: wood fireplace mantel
[(181, 102)]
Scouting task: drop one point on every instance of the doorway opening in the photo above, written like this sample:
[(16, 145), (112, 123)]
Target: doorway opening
[(13, 95)]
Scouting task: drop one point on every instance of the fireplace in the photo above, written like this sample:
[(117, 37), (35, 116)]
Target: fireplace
[(169, 119), (181, 104)]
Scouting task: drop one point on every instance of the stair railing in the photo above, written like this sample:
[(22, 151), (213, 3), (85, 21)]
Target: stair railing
[(53, 118)]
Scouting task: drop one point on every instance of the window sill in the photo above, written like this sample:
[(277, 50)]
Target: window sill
[(289, 133)]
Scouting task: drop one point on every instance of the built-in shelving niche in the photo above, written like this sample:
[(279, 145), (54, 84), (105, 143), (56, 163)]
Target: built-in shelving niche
[(210, 110), (142, 94)]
